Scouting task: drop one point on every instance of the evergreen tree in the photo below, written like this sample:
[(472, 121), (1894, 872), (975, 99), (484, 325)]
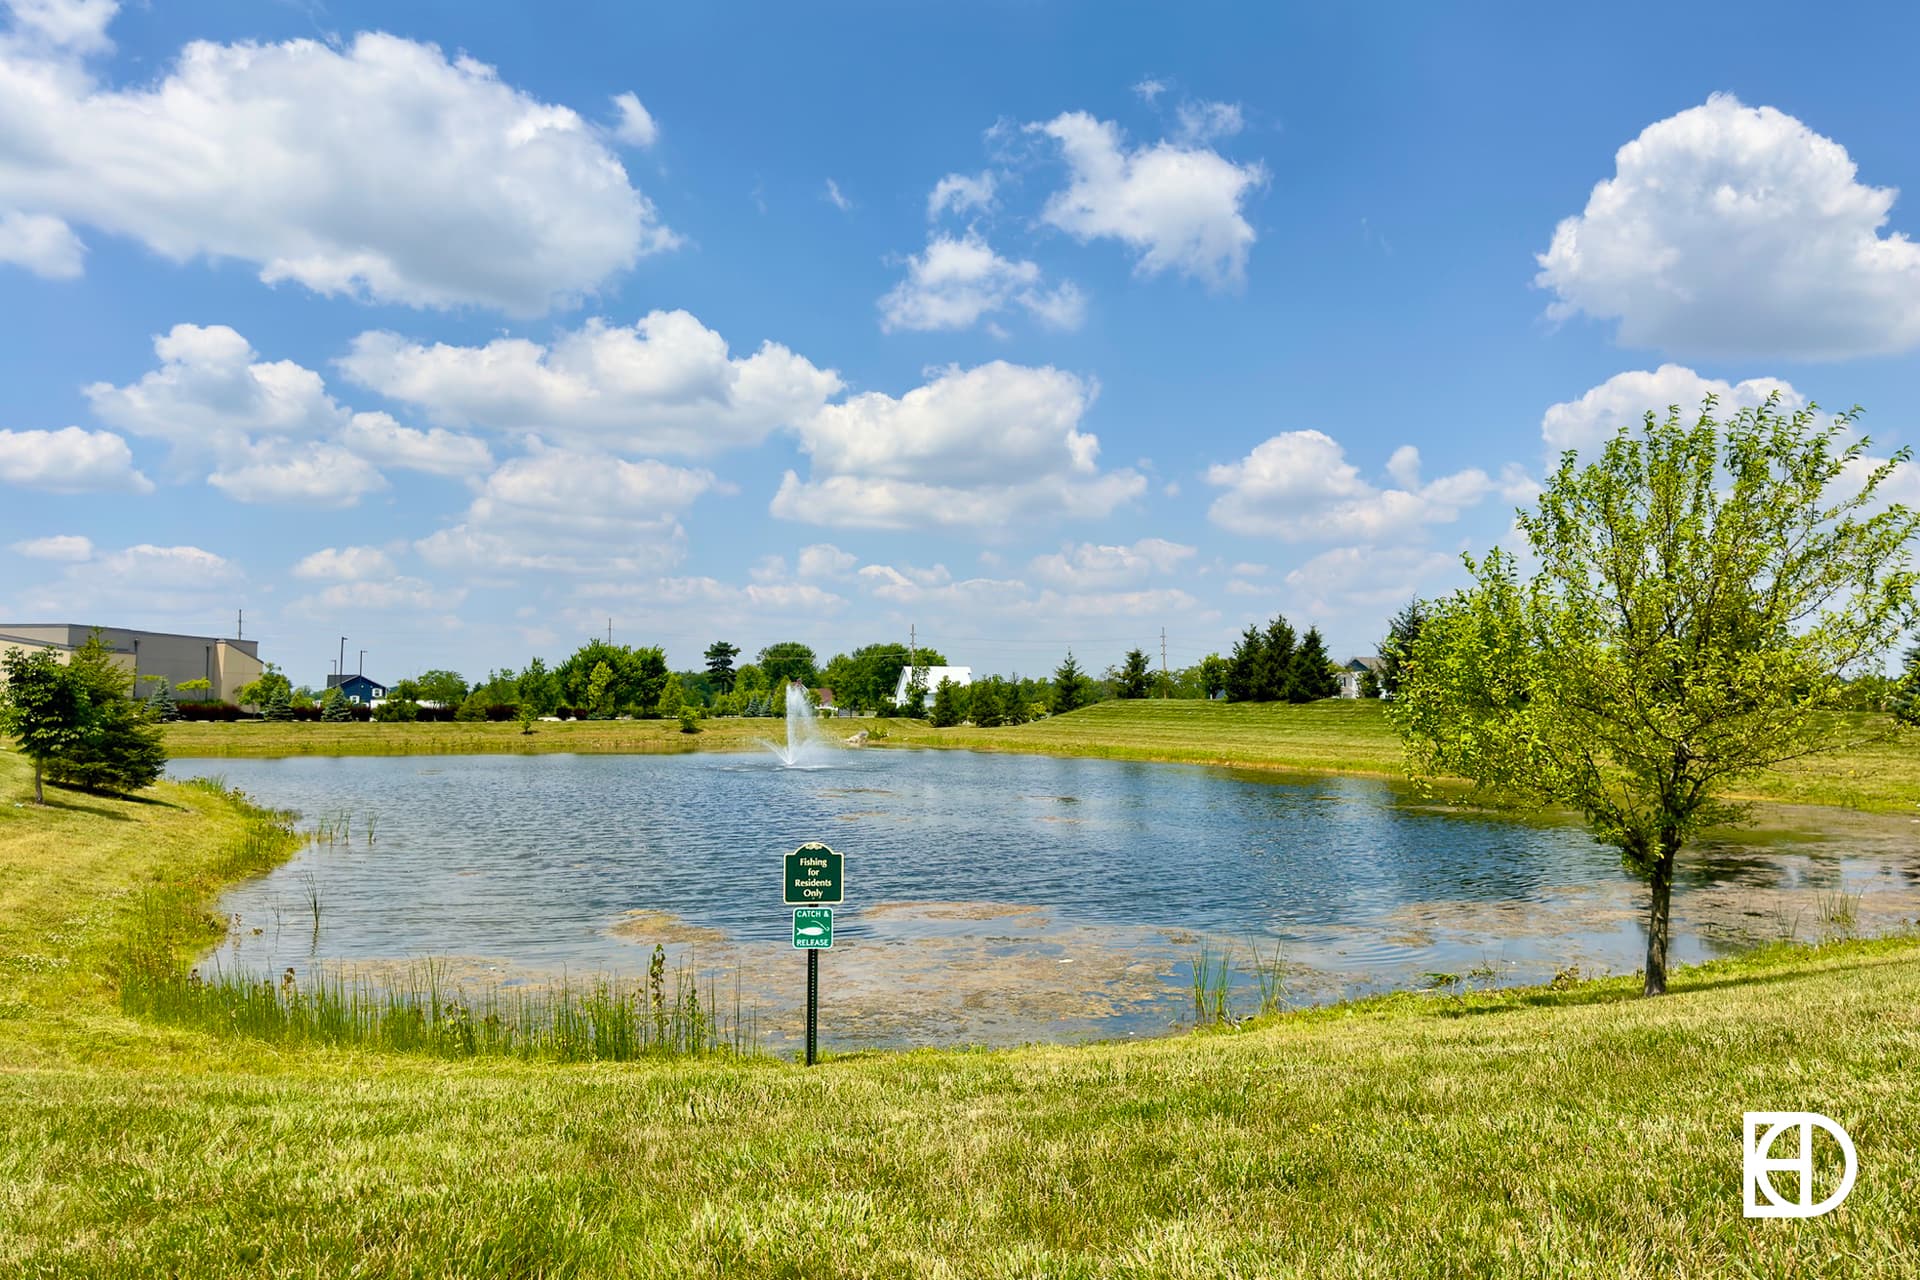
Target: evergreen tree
[(1275, 679), (1905, 701), (1134, 676), (1403, 629), (1071, 687), (538, 688), (949, 705), (1016, 708), (120, 749), (672, 697), (989, 703), (720, 656), (1243, 669), (279, 705), (160, 705), (334, 708), (1313, 677)]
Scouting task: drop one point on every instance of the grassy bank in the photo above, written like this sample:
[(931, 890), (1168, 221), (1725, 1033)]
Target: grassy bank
[(1580, 1131), (1335, 736)]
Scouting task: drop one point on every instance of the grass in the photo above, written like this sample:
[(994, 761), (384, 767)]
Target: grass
[(1575, 1130), (1332, 737)]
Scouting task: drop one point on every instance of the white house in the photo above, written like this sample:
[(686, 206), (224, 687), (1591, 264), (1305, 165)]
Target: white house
[(962, 676), (1350, 674)]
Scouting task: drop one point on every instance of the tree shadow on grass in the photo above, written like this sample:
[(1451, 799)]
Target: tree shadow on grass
[(75, 800)]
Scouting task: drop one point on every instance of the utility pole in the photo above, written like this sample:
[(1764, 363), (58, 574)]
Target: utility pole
[(363, 663), (609, 630), (240, 625), (341, 670), (1163, 652), (913, 640)]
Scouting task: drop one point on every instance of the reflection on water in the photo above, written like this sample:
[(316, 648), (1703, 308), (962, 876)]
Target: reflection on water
[(991, 898)]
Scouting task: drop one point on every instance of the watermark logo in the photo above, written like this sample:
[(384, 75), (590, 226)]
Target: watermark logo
[(1764, 1129)]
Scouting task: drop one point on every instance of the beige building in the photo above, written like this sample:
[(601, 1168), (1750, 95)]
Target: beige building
[(226, 664)]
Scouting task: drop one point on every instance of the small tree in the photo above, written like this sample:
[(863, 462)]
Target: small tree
[(1403, 629), (121, 750), (1213, 675), (689, 720), (201, 686), (916, 704), (44, 708), (279, 705), (1699, 600), (949, 705), (334, 708), (160, 703), (526, 717), (988, 703), (1071, 687), (1904, 701), (1134, 676), (673, 696), (259, 692), (599, 692), (1313, 677)]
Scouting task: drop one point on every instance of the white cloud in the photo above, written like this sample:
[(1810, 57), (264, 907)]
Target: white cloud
[(308, 474), (1368, 582), (664, 385), (392, 595), (1734, 230), (378, 438), (43, 245), (183, 588), (67, 548), (1625, 399), (1177, 206), (1150, 89), (77, 26), (380, 169), (962, 193), (212, 395), (69, 460), (345, 564), (959, 280), (1202, 122), (166, 566), (1299, 486), (636, 126), (1404, 466), (835, 198), (980, 448), (824, 560), (1089, 566), (556, 510)]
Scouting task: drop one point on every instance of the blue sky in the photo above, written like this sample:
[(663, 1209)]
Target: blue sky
[(459, 330)]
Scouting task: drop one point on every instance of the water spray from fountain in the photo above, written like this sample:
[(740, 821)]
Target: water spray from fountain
[(804, 743)]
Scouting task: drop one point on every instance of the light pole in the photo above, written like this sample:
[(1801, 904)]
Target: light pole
[(341, 670), (363, 663)]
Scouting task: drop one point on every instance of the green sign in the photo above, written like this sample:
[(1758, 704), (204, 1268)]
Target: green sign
[(813, 876), (813, 928)]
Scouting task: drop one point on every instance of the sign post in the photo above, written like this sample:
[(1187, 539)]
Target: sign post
[(813, 878)]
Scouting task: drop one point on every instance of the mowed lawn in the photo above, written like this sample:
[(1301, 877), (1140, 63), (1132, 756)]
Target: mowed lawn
[(1881, 774), (1542, 1133)]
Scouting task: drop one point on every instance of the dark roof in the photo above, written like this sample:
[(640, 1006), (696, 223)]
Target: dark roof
[(1365, 664)]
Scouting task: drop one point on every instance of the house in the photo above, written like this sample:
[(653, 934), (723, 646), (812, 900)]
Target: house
[(224, 664), (1351, 671), (358, 688), (823, 698), (932, 676)]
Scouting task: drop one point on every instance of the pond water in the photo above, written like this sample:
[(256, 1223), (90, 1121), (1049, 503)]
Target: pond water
[(990, 898)]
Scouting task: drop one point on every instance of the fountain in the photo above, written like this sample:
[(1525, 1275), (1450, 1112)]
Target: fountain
[(804, 743)]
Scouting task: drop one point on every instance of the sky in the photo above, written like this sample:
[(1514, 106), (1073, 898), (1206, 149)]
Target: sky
[(467, 332)]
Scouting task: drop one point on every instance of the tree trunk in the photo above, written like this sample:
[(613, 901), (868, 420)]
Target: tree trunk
[(39, 796), (1657, 915)]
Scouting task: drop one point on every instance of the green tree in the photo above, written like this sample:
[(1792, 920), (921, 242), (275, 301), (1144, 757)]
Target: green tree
[(1134, 676), (334, 708), (916, 703), (279, 705), (1274, 677), (600, 692), (474, 708), (720, 656), (689, 720), (526, 716), (949, 704), (448, 688), (257, 693), (635, 677), (121, 750), (44, 708), (538, 688), (788, 661), (673, 696), (160, 703), (201, 686), (1213, 675), (1403, 629), (988, 703), (1243, 671), (1313, 677), (1904, 700), (1071, 687), (1701, 595)]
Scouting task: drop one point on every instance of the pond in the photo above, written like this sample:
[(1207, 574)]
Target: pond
[(991, 898)]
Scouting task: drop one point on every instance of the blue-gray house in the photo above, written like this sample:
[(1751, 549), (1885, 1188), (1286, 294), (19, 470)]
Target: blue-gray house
[(358, 688)]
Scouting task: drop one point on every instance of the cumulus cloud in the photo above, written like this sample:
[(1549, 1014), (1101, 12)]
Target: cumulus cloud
[(1626, 398), (67, 548), (962, 193), (1090, 565), (664, 385), (960, 279), (1365, 581), (345, 564), (824, 560), (1735, 230), (381, 169), (977, 448), (391, 595), (184, 587), (308, 474), (43, 245), (213, 395), (1177, 205), (378, 438), (635, 125), (1202, 122), (1299, 486), (70, 460), (557, 510)]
